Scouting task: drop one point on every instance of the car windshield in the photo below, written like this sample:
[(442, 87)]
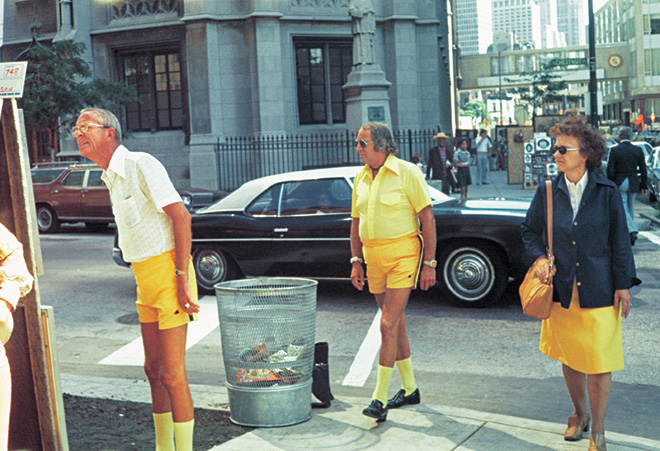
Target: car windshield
[(45, 176)]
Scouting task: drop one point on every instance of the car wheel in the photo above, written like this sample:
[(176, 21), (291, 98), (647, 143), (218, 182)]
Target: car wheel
[(47, 220), (97, 226), (212, 266), (472, 275)]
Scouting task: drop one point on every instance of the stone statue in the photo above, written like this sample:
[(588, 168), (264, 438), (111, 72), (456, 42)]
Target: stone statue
[(364, 28)]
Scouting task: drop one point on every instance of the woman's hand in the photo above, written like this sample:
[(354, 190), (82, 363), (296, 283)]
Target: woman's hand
[(622, 298), (543, 270)]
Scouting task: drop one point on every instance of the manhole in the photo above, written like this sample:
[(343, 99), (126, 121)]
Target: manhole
[(131, 319)]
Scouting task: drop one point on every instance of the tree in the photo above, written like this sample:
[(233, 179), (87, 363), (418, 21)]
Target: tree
[(546, 86), (58, 85), (477, 110)]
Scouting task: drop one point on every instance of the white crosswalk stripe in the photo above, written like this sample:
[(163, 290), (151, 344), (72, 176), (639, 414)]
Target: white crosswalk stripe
[(132, 354), (364, 360)]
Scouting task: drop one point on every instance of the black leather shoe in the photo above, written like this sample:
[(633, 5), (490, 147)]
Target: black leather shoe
[(400, 399), (376, 410), (633, 238)]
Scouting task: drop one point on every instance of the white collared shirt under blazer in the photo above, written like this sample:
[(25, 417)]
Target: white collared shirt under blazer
[(139, 189)]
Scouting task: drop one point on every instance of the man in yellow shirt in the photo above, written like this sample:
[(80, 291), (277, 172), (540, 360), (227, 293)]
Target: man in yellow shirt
[(390, 199)]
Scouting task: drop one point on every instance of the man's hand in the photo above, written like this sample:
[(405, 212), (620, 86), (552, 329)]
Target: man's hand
[(183, 295), (357, 276), (427, 277)]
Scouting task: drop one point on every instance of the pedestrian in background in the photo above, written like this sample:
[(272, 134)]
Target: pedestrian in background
[(155, 236), (440, 163), (15, 282), (484, 145), (625, 162), (417, 161), (462, 163), (390, 201), (593, 273)]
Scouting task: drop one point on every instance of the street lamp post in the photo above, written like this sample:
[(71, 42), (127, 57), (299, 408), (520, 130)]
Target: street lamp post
[(593, 85), (499, 74)]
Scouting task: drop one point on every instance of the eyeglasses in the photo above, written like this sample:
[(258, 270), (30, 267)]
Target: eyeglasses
[(563, 149), (84, 127), (362, 143)]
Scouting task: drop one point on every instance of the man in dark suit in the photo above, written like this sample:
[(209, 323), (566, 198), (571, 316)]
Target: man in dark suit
[(625, 162), (440, 162)]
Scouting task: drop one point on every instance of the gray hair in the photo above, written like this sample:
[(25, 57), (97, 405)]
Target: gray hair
[(107, 119), (382, 138), (625, 133)]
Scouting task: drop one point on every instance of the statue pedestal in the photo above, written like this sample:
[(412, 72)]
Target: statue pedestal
[(366, 97)]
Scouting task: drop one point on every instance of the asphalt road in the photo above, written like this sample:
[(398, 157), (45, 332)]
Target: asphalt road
[(483, 359)]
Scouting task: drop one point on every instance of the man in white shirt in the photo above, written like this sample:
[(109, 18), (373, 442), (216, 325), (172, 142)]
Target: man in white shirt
[(483, 149), (155, 236)]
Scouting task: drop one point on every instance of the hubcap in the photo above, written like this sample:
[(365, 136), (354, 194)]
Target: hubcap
[(469, 274), (211, 268)]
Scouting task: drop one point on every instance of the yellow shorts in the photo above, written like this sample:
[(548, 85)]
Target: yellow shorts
[(156, 291), (393, 263)]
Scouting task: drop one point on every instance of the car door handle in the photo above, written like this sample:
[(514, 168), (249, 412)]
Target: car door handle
[(84, 191), (55, 191), (280, 230)]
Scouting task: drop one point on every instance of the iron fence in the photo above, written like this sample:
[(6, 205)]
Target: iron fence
[(243, 158)]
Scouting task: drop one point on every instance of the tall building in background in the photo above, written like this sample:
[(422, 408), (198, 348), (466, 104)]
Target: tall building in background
[(551, 37), (572, 21), (521, 18), (474, 26)]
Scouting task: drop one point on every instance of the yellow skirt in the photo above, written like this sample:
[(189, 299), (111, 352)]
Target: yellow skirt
[(587, 340)]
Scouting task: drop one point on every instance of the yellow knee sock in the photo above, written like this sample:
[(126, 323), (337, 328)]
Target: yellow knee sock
[(164, 431), (407, 377), (183, 434), (382, 383)]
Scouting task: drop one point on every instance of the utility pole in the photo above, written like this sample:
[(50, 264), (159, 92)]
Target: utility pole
[(593, 84), (499, 73)]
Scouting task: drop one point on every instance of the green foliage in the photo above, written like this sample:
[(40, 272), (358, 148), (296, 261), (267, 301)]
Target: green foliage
[(477, 110), (58, 85)]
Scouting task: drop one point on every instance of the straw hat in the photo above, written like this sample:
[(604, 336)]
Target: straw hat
[(440, 135)]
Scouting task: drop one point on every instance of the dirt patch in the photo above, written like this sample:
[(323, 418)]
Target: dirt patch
[(95, 424)]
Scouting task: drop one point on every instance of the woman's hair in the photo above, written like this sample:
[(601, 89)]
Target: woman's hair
[(107, 119), (592, 144), (461, 141), (382, 137)]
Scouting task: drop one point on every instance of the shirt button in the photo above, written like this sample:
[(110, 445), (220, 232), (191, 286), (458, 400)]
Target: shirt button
[(577, 264), (575, 223), (573, 243), (579, 284)]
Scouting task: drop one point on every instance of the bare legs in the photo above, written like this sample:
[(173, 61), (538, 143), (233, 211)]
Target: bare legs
[(598, 387), (394, 339), (165, 367)]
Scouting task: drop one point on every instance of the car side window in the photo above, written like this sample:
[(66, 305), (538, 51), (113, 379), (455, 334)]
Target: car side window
[(45, 176), (316, 197), (74, 179), (94, 179), (266, 204)]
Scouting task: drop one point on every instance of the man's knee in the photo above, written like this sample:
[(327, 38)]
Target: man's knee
[(173, 377)]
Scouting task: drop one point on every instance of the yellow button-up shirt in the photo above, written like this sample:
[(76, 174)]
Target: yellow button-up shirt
[(387, 206)]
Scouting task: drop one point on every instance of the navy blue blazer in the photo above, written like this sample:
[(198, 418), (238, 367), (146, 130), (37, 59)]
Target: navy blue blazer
[(593, 249)]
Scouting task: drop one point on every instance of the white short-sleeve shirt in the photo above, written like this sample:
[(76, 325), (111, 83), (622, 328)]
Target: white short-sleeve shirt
[(139, 189)]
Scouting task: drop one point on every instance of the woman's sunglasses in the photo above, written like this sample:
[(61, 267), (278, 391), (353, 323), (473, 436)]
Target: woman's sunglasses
[(563, 149), (362, 143)]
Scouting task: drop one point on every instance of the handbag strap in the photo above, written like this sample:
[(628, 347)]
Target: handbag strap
[(548, 190)]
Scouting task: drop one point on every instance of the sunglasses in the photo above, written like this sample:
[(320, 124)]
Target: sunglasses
[(362, 143), (84, 127), (563, 149)]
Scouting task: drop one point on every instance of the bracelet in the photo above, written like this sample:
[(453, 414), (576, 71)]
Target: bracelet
[(178, 272), (356, 259)]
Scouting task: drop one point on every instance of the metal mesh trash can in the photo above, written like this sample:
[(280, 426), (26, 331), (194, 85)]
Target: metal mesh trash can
[(267, 327)]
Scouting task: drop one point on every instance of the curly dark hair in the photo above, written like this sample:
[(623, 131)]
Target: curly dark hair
[(592, 144)]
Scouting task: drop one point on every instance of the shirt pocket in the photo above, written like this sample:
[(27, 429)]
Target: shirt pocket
[(390, 205), (129, 212)]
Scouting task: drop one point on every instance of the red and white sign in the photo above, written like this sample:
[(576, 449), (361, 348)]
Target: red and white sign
[(12, 78)]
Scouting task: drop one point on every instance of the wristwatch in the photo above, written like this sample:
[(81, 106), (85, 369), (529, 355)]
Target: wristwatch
[(356, 259), (178, 272), (431, 263)]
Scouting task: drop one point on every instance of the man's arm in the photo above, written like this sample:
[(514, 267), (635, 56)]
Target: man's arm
[(642, 169), (357, 270), (182, 246), (611, 165), (427, 277)]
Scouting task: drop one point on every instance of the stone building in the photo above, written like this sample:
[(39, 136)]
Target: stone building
[(207, 70)]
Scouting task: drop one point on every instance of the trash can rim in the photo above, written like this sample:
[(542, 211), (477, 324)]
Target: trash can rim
[(244, 284)]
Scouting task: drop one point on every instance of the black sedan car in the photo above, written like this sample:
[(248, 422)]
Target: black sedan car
[(298, 223)]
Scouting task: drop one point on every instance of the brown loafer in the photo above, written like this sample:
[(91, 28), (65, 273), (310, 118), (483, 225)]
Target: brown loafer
[(597, 442), (576, 427)]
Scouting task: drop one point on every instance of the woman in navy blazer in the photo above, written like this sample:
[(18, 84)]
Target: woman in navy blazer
[(593, 273)]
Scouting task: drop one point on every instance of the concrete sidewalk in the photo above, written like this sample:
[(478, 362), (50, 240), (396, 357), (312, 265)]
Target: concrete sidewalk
[(343, 426)]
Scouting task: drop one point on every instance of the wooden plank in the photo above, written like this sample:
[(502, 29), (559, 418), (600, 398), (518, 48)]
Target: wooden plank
[(19, 192)]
